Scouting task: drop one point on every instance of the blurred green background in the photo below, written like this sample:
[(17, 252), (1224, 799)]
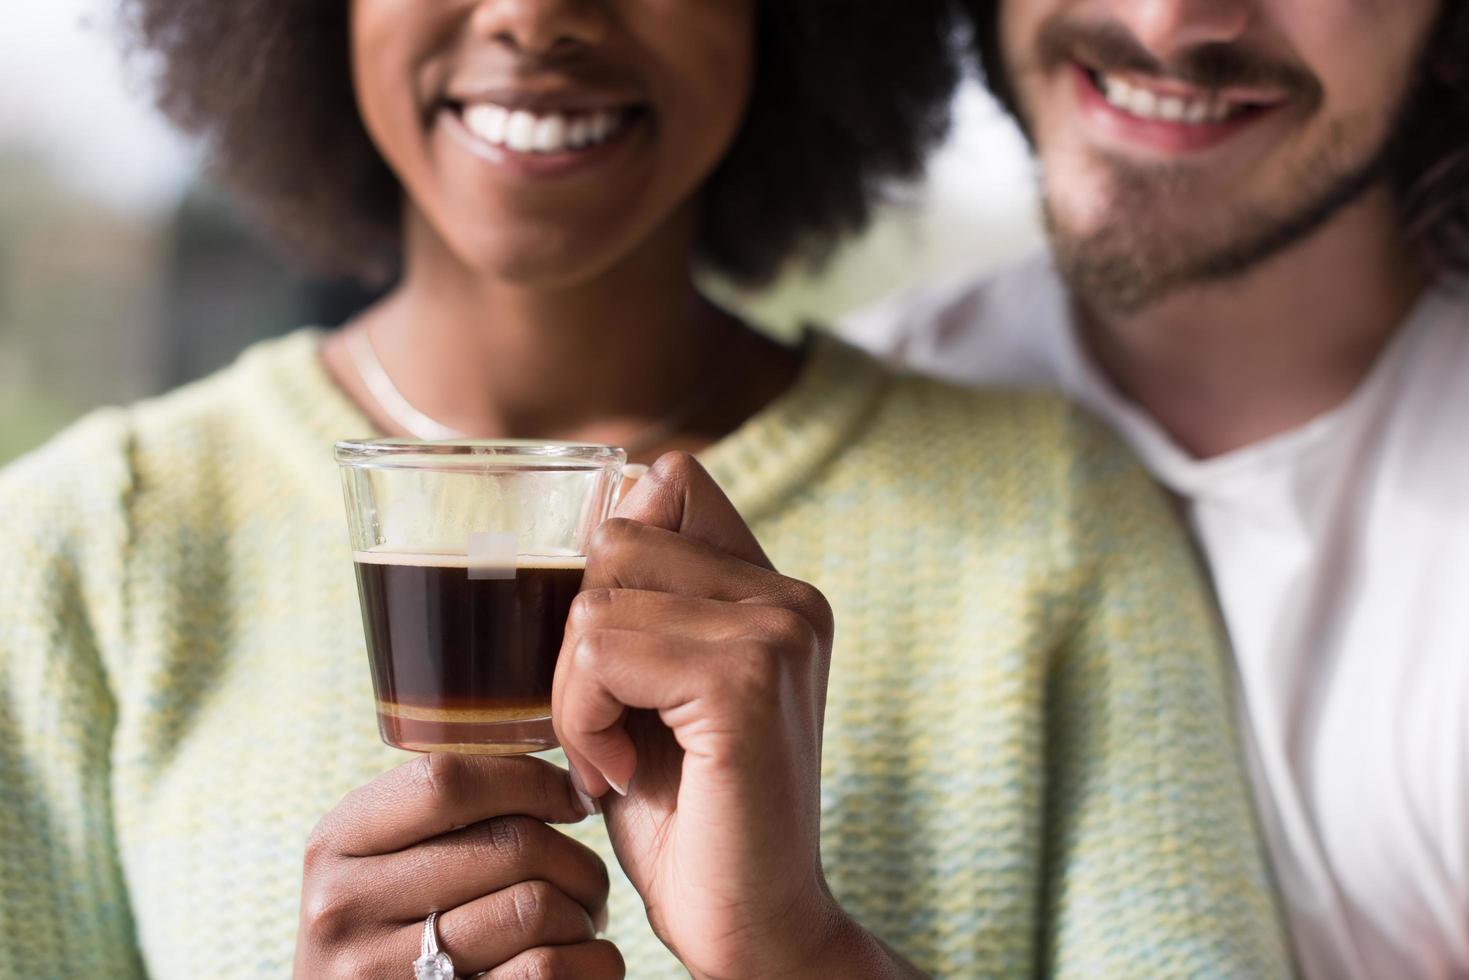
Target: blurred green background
[(123, 274)]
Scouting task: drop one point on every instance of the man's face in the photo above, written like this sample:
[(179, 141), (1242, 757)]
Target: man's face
[(1184, 141)]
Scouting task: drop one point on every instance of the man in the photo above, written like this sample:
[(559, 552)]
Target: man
[(1259, 220)]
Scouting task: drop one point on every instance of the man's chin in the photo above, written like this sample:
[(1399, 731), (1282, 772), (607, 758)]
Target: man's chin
[(1127, 235), (1110, 274), (1153, 242), (1120, 253)]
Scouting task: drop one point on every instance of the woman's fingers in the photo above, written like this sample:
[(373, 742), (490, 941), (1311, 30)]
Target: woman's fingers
[(462, 835), (437, 793), (677, 494), (645, 582), (675, 615), (603, 673), (626, 554), (597, 960), (718, 697), (345, 902), (495, 929), (484, 858), (629, 554)]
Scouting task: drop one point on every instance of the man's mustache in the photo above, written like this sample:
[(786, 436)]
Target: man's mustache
[(1111, 47)]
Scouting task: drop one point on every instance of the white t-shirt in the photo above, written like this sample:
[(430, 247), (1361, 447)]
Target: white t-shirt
[(1340, 554)]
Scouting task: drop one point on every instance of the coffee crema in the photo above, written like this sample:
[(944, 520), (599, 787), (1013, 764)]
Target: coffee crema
[(457, 660)]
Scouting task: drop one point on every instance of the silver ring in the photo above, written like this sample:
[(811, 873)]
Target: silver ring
[(433, 963)]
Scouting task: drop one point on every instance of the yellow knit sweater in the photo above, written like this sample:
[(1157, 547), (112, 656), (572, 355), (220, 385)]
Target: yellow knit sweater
[(1028, 763)]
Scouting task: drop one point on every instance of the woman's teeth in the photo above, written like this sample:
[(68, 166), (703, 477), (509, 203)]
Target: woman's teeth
[(528, 132), (1146, 104)]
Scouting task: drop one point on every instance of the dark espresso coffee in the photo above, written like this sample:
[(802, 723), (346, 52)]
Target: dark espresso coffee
[(457, 661)]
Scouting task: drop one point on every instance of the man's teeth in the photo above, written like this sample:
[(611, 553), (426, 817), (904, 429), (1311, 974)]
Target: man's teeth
[(528, 132), (1146, 104)]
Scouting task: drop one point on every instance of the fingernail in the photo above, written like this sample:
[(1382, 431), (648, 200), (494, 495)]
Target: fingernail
[(589, 803), (620, 790), (599, 921)]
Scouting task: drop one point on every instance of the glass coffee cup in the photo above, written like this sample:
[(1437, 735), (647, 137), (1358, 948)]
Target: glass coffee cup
[(468, 555)]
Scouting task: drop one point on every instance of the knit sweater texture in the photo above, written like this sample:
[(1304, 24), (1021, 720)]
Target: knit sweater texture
[(1028, 766)]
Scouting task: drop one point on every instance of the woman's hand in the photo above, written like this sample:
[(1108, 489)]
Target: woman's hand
[(467, 837), (693, 676)]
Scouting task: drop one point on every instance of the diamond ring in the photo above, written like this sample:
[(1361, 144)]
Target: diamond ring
[(433, 963)]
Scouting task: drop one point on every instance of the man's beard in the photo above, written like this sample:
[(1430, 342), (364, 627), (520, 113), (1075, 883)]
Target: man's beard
[(1131, 261), (1150, 242)]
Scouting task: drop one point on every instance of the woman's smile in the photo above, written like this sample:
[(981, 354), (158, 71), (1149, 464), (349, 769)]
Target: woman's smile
[(552, 143), (548, 136)]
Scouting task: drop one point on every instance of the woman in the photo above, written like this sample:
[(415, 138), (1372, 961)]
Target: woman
[(1024, 763)]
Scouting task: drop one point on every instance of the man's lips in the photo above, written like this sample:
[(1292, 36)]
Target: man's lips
[(1172, 100), (1167, 115)]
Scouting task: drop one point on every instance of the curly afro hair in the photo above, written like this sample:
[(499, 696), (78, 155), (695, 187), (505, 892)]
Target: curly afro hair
[(848, 95), (1427, 160)]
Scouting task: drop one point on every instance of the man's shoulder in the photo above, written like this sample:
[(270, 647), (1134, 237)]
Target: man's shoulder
[(1010, 326)]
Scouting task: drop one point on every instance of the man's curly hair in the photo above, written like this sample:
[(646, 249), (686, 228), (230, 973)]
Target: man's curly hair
[(1426, 160), (848, 95)]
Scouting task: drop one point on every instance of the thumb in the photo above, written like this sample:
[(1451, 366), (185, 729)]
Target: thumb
[(678, 494)]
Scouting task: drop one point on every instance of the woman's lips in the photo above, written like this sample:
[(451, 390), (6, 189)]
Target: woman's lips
[(525, 131), (541, 143)]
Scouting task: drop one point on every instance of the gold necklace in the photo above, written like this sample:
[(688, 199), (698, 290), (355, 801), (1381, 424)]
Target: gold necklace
[(420, 425)]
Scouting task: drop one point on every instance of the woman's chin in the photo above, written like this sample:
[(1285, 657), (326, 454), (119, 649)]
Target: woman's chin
[(530, 262), (535, 272)]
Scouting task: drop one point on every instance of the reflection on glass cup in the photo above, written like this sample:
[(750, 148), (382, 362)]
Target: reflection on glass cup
[(468, 555)]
